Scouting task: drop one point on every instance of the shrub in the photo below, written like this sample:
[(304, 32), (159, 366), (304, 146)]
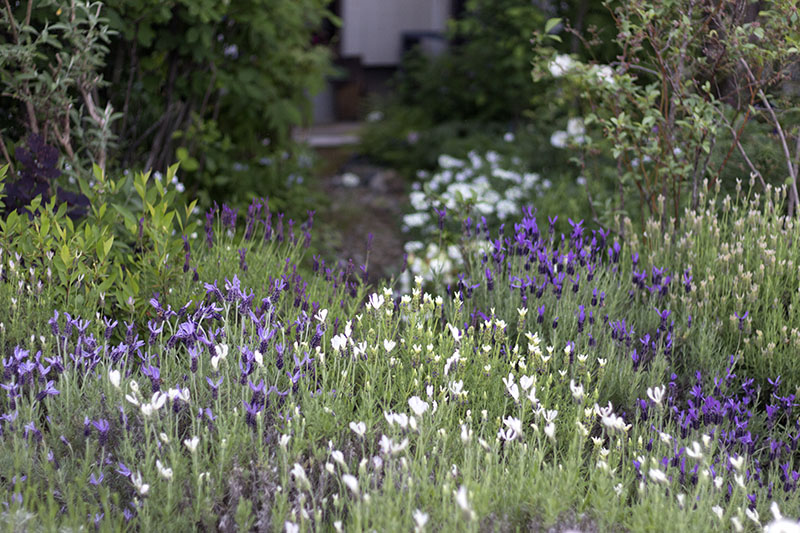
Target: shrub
[(662, 107), (89, 78)]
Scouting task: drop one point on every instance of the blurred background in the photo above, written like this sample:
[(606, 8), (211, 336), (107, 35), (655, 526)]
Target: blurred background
[(396, 121)]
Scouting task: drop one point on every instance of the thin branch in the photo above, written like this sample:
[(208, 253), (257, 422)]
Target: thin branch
[(797, 155), (782, 136), (738, 144), (129, 88), (28, 13), (632, 66), (11, 22), (8, 157)]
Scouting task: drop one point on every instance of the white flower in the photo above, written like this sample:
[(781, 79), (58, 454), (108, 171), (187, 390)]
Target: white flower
[(352, 483), (359, 428), (526, 382), (299, 475), (291, 527), (389, 447), (737, 462), (413, 246), (338, 457), (420, 519), (550, 431), (453, 359), (658, 475), (418, 200), (389, 345), (446, 161), (321, 315), (656, 394), (141, 488), (505, 208), (165, 472), (560, 65), (350, 180), (775, 510), (401, 419), (612, 421), (717, 510), (192, 443), (507, 435), (559, 139), (221, 350), (575, 127), (178, 394), (418, 405), (466, 434), (375, 301), (695, 452), (605, 74), (339, 342), (514, 424), (374, 116), (752, 514), (455, 332), (416, 220), (284, 441), (259, 357), (457, 388), (782, 525), (114, 378), (577, 390), (463, 502), (509, 381)]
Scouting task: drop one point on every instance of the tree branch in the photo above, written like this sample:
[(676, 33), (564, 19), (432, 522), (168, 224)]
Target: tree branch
[(8, 157), (28, 13), (11, 22), (792, 171)]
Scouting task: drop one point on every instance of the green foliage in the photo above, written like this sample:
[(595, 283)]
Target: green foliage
[(127, 247), (50, 58), (485, 74), (742, 256), (216, 85), (661, 111), (479, 86)]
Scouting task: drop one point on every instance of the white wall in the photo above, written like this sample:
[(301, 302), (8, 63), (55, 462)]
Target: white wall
[(372, 29)]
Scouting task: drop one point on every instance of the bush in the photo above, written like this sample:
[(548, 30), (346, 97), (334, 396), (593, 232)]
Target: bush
[(217, 86), (663, 108)]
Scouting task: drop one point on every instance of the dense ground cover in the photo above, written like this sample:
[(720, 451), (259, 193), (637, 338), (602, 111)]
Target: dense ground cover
[(587, 379)]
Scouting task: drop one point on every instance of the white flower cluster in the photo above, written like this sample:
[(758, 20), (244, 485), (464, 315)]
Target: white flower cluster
[(495, 184), (562, 64), (575, 134), (498, 186)]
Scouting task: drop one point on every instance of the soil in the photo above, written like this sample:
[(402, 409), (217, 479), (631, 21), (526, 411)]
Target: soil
[(363, 199)]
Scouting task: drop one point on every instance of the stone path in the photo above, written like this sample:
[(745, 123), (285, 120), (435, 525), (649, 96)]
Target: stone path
[(363, 199)]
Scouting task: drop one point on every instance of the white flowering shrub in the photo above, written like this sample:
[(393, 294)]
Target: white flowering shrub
[(485, 189)]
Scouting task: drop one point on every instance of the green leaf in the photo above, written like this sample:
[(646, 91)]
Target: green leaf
[(98, 173), (550, 24), (66, 255), (126, 214)]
